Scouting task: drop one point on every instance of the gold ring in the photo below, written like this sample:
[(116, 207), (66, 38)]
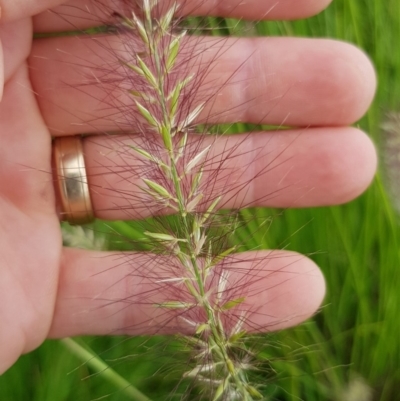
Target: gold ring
[(71, 183)]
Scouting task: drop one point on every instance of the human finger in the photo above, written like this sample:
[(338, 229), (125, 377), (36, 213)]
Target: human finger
[(78, 14), (291, 81), (292, 168), (114, 293), (12, 10), (1, 71)]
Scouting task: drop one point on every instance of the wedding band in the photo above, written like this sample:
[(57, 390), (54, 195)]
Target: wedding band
[(71, 182)]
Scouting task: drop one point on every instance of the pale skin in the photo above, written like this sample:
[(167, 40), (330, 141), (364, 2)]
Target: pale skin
[(47, 291)]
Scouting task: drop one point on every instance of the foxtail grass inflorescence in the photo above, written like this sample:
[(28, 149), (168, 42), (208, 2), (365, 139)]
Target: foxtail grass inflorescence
[(176, 176), (390, 155)]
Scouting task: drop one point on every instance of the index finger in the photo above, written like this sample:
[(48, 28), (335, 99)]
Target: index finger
[(86, 13)]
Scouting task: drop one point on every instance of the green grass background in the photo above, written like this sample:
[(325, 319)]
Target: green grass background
[(356, 334)]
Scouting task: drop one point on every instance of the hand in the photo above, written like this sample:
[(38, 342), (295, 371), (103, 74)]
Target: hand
[(320, 86)]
